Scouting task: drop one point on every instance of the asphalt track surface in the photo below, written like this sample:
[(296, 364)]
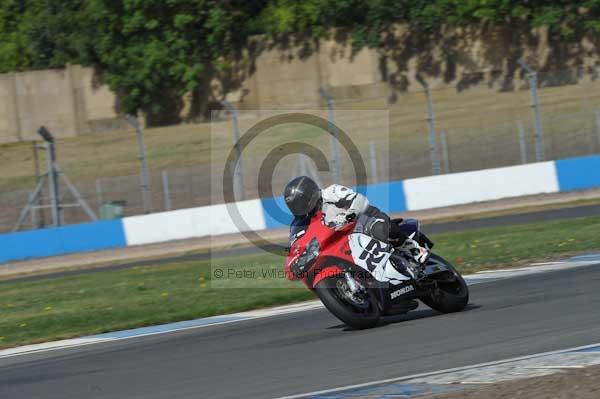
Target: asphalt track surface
[(311, 350), (505, 220)]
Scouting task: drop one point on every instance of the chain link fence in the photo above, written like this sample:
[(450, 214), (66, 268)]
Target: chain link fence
[(481, 126)]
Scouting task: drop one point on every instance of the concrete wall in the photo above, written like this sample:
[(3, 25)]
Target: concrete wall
[(67, 101), (9, 116), (45, 98), (287, 81)]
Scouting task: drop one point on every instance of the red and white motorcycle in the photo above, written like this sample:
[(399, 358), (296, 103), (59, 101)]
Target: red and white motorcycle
[(359, 278)]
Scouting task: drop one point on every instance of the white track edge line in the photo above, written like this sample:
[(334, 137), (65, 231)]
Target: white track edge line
[(99, 340), (432, 373)]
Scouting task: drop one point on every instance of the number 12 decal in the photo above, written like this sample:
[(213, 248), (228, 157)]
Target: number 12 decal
[(373, 254)]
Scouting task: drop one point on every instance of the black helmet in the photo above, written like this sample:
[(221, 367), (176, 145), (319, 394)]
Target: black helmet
[(301, 195)]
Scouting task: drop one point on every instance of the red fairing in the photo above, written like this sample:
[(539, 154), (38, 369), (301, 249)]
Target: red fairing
[(328, 271), (334, 246)]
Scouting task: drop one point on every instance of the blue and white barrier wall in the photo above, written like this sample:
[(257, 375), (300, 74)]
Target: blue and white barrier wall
[(62, 240), (136, 230), (398, 196), (194, 222), (481, 185)]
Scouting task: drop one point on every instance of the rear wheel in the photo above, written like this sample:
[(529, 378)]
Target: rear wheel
[(358, 311), (452, 293)]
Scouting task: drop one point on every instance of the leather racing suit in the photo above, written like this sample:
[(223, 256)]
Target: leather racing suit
[(341, 205)]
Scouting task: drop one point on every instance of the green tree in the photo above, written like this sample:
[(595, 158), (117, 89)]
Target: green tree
[(38, 34), (15, 53), (154, 51), (151, 52)]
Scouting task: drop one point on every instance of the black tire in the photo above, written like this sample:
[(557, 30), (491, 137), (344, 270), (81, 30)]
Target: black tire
[(453, 297), (354, 316)]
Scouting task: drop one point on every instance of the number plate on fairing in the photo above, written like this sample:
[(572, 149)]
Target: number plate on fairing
[(373, 255)]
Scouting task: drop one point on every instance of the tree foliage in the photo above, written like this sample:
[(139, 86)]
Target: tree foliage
[(153, 51), (37, 34)]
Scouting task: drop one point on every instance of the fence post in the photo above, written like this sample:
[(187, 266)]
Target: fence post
[(373, 159), (34, 222), (522, 142), (598, 127), (445, 157), (307, 169), (435, 161), (302, 166), (333, 134), (145, 181), (535, 105), (99, 199), (166, 192), (238, 173)]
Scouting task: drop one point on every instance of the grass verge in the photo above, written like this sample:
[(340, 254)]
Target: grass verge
[(51, 309)]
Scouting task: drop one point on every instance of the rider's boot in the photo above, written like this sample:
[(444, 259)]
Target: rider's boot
[(402, 265), (419, 253), (410, 261)]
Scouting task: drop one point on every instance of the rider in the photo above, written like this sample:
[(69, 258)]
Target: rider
[(341, 205)]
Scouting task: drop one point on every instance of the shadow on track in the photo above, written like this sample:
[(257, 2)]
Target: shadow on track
[(412, 315)]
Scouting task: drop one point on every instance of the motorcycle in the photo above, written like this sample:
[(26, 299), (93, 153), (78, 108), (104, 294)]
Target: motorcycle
[(359, 278)]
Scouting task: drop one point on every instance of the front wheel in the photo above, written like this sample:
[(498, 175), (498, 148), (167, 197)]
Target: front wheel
[(358, 312), (452, 293)]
